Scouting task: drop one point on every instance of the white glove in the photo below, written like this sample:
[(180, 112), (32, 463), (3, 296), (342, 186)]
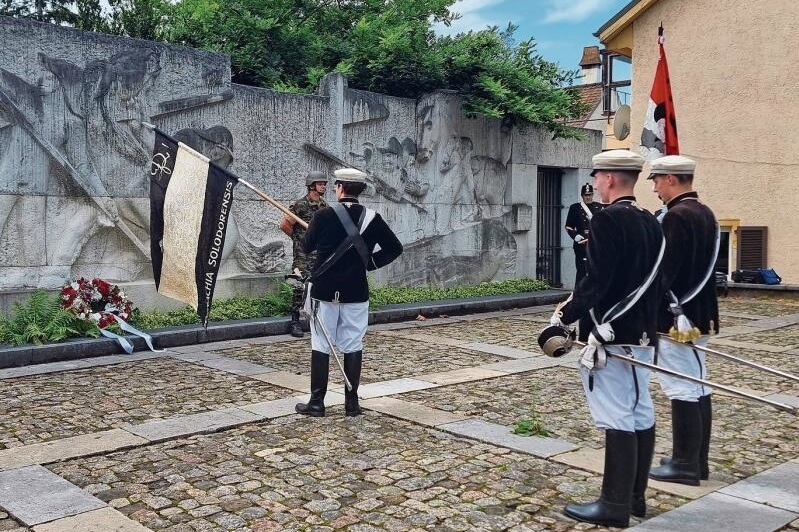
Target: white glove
[(593, 355), (579, 238), (556, 318)]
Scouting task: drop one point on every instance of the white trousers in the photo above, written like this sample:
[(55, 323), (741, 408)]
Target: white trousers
[(345, 324), (687, 360), (620, 398)]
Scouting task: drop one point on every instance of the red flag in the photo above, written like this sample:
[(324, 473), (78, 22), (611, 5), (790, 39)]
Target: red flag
[(659, 136)]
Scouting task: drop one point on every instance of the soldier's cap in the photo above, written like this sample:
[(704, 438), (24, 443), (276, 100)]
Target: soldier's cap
[(672, 164), (622, 160), (315, 176), (350, 175), (586, 189)]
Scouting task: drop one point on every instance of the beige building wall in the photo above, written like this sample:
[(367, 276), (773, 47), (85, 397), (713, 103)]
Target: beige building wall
[(737, 108)]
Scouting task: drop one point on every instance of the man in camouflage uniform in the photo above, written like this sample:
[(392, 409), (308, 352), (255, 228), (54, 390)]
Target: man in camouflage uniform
[(305, 207)]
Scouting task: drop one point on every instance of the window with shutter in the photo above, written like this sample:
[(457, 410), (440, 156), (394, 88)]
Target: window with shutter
[(752, 247)]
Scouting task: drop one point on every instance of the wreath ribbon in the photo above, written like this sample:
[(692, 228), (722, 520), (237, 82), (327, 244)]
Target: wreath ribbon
[(124, 342)]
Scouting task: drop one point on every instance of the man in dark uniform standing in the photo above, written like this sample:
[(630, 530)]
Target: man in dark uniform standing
[(304, 208), (688, 282), (340, 292), (624, 252), (577, 226)]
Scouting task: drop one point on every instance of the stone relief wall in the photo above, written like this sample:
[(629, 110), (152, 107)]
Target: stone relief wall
[(74, 158)]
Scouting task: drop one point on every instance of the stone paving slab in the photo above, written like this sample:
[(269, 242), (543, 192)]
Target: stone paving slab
[(192, 424), (460, 375), (777, 487), (501, 350), (719, 513), (236, 367), (594, 460), (50, 407), (285, 407), (284, 379), (379, 389), (84, 445), (790, 400), (195, 356), (56, 367), (102, 520), (35, 495), (416, 413), (500, 435)]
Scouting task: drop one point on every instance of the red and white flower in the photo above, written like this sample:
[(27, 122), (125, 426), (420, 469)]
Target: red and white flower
[(96, 300)]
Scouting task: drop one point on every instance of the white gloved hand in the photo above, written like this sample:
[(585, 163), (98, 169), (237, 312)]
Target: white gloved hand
[(593, 355), (556, 319), (579, 238)]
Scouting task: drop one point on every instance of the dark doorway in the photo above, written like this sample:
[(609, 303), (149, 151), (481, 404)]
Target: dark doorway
[(548, 245)]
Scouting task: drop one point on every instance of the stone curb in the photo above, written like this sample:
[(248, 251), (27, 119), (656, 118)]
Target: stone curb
[(235, 330)]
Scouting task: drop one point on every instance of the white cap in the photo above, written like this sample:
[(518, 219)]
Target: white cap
[(672, 164), (624, 160), (349, 175)]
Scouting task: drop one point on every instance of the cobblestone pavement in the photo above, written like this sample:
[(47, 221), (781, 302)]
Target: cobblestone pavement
[(7, 524), (410, 469), (500, 331), (791, 527), (384, 358), (771, 306), (787, 336), (49, 407), (747, 437), (375, 473)]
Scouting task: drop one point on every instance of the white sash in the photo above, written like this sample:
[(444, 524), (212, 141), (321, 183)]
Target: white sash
[(586, 209)]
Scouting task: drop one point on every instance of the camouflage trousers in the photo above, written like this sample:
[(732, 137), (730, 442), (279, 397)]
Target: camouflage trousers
[(304, 263)]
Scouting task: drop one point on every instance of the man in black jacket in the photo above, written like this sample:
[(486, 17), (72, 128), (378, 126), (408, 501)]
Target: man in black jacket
[(624, 252), (688, 282), (340, 292), (578, 227)]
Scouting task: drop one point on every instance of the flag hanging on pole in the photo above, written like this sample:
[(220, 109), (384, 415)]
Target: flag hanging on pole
[(659, 136), (190, 201)]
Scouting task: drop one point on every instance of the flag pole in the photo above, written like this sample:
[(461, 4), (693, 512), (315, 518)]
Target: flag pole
[(259, 192)]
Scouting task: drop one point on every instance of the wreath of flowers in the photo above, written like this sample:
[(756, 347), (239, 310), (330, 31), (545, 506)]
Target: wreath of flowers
[(96, 300)]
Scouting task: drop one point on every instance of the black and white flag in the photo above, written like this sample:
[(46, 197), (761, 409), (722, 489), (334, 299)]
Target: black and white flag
[(190, 201)]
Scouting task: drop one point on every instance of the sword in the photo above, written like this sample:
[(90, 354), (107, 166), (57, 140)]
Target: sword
[(779, 406), (318, 322), (733, 358)]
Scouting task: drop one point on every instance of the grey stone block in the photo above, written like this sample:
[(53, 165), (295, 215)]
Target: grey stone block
[(501, 435), (237, 367), (192, 424), (719, 513), (34, 495), (777, 487)]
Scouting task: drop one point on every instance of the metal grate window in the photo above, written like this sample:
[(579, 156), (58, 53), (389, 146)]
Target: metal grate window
[(548, 245)]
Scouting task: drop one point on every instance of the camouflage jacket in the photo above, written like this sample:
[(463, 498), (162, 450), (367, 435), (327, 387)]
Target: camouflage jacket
[(305, 209)]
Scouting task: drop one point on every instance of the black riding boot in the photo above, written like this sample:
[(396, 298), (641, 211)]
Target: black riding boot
[(320, 367), (352, 368), (613, 506), (686, 424), (706, 411), (646, 449), (295, 328)]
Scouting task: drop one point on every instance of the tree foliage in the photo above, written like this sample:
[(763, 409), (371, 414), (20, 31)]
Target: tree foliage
[(385, 46)]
